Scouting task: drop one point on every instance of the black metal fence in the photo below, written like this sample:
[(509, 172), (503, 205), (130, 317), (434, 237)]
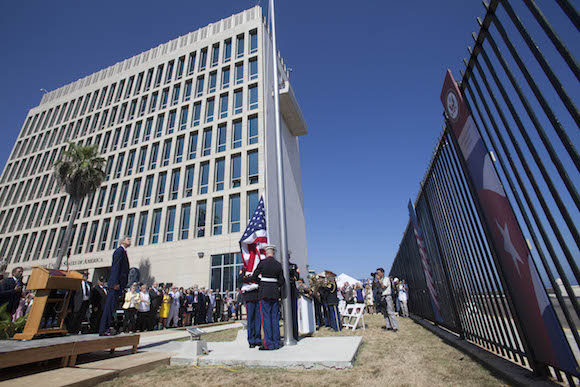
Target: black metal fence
[(521, 84)]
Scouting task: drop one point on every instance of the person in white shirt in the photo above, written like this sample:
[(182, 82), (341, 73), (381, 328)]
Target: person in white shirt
[(143, 315), (174, 310), (391, 322), (403, 297)]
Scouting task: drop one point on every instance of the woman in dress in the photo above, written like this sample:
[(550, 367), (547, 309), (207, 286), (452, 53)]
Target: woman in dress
[(132, 300), (143, 315), (360, 298), (165, 306)]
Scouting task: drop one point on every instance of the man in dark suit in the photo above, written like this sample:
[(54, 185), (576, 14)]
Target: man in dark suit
[(11, 290), (156, 296), (98, 300), (217, 313), (269, 294), (117, 282), (81, 302)]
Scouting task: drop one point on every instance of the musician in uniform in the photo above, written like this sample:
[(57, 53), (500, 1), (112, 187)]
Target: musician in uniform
[(250, 298), (334, 318), (294, 276), (270, 282)]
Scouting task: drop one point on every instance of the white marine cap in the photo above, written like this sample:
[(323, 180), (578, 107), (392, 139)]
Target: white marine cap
[(270, 247), (396, 279)]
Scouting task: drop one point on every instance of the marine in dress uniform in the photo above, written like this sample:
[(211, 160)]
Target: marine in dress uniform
[(294, 276), (272, 278), (251, 299)]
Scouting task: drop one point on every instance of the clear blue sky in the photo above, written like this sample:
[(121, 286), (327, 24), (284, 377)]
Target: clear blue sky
[(367, 75)]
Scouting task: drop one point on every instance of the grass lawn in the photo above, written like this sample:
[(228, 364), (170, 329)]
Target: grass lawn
[(413, 357)]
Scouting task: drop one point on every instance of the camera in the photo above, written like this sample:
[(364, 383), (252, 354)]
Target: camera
[(373, 275)]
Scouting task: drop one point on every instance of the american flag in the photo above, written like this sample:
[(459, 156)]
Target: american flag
[(253, 242)]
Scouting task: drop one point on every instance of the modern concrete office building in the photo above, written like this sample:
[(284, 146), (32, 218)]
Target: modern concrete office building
[(188, 132)]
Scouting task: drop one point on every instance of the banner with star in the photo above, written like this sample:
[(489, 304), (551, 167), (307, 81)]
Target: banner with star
[(539, 322)]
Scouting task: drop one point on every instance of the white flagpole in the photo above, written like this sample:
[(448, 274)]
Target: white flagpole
[(288, 335)]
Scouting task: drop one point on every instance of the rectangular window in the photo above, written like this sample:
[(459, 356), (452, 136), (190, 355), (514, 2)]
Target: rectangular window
[(130, 163), (180, 66), (137, 132), (112, 197), (148, 189), (206, 151), (123, 196), (253, 41), (215, 55), (203, 59), (222, 136), (92, 236), (135, 193), (104, 234), (212, 82), (149, 79), (159, 75), (129, 87), (252, 202), (218, 208), (171, 121), (155, 226), (239, 73), (153, 159), (119, 166), (240, 47), (227, 50), (159, 125), (80, 239), (164, 98), (191, 64), (220, 165), (224, 106), (204, 178), (101, 200), (132, 109), (175, 184), (185, 221), (116, 232), (187, 92), (192, 147), (148, 127), (238, 101), (253, 97), (179, 149), (129, 225), (142, 227), (115, 142), (189, 172), (199, 87), (253, 167), (153, 103), (237, 134), (196, 114), (200, 219), (225, 77), (122, 112), (235, 213), (210, 110), (169, 224), (236, 170), (169, 74), (175, 96), (142, 156), (253, 130), (254, 68), (143, 106), (183, 118), (161, 187), (138, 84)]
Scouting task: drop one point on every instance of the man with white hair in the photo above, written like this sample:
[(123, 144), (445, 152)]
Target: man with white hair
[(117, 282)]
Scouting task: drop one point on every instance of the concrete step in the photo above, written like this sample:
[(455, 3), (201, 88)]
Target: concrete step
[(130, 364), (64, 377)]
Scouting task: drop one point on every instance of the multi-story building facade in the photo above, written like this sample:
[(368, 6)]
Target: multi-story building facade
[(188, 132)]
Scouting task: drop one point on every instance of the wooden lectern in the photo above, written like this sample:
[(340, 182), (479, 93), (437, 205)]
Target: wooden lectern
[(51, 301)]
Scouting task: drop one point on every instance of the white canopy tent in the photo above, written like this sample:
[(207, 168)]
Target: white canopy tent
[(341, 279)]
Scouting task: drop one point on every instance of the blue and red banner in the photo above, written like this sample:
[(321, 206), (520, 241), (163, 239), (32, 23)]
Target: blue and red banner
[(538, 319), (426, 266)]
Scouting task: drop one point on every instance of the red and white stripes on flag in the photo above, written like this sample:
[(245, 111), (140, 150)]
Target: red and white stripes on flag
[(253, 242), (425, 263)]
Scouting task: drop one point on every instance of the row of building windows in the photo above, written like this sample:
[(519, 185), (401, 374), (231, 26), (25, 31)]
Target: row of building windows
[(168, 185), (152, 127), (151, 79), (187, 221), (171, 151)]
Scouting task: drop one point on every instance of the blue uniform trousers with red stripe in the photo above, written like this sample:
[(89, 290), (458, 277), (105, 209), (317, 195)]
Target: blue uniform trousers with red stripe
[(254, 322), (270, 321), (334, 317)]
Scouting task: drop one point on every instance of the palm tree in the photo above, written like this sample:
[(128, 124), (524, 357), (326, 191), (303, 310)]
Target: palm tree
[(79, 172)]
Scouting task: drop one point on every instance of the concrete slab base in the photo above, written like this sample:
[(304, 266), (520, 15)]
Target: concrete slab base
[(309, 353)]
